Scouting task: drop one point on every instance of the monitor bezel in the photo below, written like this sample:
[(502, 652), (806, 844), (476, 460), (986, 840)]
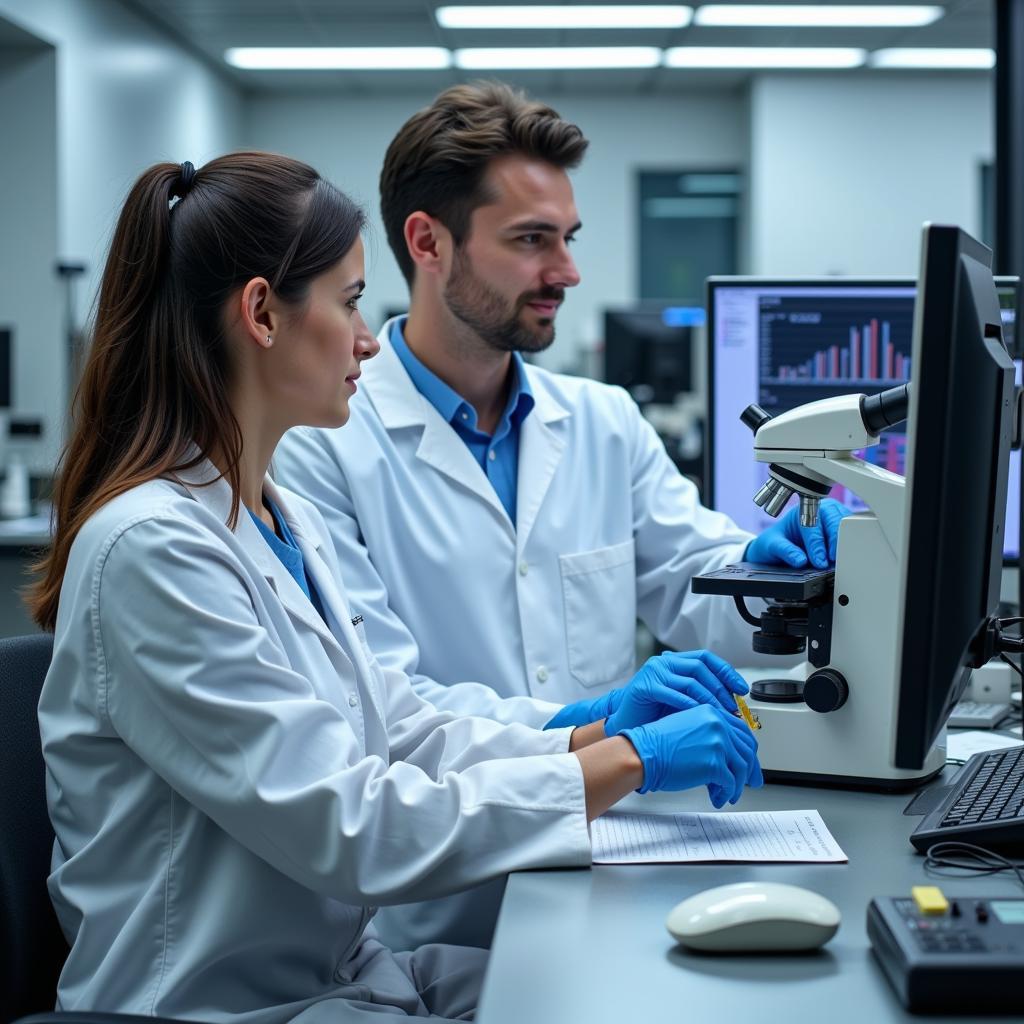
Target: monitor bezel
[(921, 707)]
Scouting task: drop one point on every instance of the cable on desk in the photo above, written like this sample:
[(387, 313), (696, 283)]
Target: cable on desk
[(1013, 621), (956, 859)]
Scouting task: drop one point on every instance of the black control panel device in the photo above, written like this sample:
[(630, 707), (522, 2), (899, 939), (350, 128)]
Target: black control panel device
[(969, 958), (781, 582)]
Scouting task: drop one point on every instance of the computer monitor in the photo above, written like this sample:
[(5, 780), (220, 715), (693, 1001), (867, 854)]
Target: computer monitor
[(960, 425), (783, 342), (649, 352)]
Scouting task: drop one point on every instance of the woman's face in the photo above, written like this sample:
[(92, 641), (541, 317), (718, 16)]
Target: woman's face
[(311, 370)]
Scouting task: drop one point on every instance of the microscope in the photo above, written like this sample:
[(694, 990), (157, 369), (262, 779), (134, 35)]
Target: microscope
[(839, 725)]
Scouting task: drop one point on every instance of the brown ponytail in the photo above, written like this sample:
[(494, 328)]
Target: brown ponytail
[(156, 380)]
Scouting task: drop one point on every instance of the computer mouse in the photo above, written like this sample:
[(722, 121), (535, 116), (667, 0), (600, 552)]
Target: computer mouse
[(754, 917)]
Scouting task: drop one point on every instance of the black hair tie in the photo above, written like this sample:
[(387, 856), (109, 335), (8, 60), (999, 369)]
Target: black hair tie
[(186, 177)]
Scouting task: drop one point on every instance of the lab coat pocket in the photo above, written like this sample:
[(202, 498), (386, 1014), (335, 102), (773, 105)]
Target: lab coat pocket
[(599, 591)]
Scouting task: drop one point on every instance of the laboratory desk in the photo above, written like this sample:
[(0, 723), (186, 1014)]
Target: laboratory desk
[(591, 945)]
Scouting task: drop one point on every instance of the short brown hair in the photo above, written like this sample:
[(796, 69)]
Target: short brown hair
[(438, 159)]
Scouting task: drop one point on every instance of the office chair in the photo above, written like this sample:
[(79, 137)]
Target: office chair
[(32, 946)]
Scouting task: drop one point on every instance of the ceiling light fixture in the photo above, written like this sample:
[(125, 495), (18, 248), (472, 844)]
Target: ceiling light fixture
[(955, 59), (764, 57), (817, 15), (566, 16), (338, 58), (557, 57)]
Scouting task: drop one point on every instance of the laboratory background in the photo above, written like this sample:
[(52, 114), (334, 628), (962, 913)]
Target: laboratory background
[(734, 168), (741, 157)]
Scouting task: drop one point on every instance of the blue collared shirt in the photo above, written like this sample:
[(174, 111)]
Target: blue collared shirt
[(497, 454)]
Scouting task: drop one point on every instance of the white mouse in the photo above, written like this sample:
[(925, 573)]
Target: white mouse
[(754, 917)]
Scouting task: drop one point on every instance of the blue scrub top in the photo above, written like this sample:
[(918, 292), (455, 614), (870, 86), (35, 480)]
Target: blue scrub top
[(287, 550)]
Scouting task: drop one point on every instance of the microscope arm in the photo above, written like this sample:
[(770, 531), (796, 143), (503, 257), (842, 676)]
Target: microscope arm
[(880, 490)]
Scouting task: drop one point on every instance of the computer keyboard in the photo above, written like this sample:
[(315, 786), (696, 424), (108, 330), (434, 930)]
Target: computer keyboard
[(984, 805), (974, 714)]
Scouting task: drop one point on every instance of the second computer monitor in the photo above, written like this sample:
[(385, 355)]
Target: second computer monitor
[(785, 342), (649, 352)]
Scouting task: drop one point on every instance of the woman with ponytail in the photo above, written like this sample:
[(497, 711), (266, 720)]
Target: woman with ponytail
[(234, 781)]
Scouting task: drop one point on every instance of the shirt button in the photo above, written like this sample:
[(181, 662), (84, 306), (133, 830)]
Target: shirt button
[(491, 455), (523, 568), (465, 415), (542, 675), (353, 701)]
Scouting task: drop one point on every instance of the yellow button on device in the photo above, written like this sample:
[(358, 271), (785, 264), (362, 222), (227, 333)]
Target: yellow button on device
[(929, 899)]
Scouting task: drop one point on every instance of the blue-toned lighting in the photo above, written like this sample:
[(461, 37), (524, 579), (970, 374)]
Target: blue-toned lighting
[(683, 316)]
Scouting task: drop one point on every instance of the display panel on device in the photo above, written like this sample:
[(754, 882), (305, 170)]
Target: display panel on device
[(782, 343), (960, 422)]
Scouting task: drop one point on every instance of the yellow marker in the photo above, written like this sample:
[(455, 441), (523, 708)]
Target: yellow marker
[(929, 899), (745, 712)]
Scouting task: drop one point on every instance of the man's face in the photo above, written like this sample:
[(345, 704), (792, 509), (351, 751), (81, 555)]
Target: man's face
[(509, 276)]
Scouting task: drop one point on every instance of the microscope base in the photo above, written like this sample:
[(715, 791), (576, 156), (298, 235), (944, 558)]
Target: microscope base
[(854, 745), (873, 784)]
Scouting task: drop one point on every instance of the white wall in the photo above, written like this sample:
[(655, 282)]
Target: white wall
[(842, 169), (30, 297), (345, 139), (127, 96), (845, 169)]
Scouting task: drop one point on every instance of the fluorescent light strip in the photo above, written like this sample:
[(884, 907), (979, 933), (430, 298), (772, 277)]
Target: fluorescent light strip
[(563, 16), (962, 59), (764, 57), (554, 57), (338, 58), (823, 15)]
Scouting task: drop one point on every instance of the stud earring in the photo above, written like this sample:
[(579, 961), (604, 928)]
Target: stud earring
[(270, 340)]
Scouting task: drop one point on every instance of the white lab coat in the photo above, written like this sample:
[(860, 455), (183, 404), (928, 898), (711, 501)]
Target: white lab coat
[(476, 609), (234, 783)]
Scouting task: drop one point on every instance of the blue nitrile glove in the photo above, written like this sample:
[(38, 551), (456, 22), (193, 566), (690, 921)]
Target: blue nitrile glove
[(704, 746), (788, 543), (669, 682), (675, 682)]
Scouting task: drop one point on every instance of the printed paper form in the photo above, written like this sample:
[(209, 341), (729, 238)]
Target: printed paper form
[(757, 836)]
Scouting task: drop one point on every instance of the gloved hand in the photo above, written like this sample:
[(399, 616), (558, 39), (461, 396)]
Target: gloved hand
[(675, 682), (704, 746), (669, 682), (786, 542)]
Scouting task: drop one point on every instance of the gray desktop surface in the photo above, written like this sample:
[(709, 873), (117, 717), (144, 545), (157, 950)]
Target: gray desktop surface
[(591, 945)]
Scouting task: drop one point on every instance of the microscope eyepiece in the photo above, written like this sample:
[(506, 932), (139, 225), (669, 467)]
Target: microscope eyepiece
[(885, 409), (755, 417)]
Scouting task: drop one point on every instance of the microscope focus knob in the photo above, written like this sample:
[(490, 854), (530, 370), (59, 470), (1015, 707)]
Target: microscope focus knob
[(825, 690)]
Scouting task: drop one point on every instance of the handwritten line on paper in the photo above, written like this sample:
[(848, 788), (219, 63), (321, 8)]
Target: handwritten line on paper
[(757, 836)]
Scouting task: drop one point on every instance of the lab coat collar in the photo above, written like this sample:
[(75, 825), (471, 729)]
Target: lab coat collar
[(204, 483), (399, 405)]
